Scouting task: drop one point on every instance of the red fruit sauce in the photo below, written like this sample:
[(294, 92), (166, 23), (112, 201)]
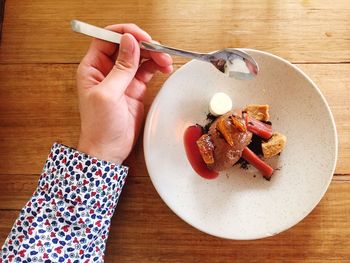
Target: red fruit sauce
[(191, 135)]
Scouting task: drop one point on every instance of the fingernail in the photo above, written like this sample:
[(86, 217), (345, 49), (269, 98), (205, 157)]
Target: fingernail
[(148, 35), (169, 58), (169, 69), (127, 44), (167, 55), (154, 42)]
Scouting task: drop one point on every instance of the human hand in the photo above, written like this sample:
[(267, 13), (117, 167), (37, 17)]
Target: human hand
[(111, 92)]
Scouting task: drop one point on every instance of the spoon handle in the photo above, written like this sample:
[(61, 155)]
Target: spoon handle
[(94, 31), (110, 36), (172, 51)]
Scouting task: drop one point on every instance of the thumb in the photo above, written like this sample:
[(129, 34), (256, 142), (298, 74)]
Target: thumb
[(126, 64)]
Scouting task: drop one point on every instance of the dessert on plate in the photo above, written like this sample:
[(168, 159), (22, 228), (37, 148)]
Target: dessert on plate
[(233, 136)]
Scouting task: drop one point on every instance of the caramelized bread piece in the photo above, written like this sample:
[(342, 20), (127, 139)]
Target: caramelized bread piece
[(258, 112), (274, 145), (206, 148)]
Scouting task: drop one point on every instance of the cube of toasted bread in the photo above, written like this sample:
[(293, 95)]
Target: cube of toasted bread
[(206, 148), (258, 112), (274, 145)]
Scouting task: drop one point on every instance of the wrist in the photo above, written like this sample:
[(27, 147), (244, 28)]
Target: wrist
[(99, 151)]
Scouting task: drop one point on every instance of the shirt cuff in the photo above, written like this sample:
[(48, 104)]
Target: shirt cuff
[(81, 179)]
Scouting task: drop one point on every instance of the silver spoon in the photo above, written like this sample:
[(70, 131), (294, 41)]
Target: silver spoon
[(233, 62)]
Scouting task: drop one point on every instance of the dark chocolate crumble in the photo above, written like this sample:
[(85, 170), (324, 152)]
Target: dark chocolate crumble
[(210, 118)]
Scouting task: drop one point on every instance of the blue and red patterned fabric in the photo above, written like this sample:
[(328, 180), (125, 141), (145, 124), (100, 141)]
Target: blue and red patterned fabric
[(69, 215)]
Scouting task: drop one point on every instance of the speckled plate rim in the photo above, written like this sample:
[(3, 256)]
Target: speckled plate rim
[(147, 134)]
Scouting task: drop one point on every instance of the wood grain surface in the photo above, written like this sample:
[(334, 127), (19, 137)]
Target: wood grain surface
[(38, 105), (300, 31)]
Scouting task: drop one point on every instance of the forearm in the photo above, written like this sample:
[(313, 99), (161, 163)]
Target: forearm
[(69, 215)]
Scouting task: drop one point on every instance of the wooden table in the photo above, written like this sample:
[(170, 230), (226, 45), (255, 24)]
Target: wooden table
[(38, 105)]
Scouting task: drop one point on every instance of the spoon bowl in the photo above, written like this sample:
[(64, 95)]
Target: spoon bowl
[(231, 61), (234, 62)]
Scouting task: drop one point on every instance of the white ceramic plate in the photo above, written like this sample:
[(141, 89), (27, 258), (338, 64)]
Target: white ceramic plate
[(240, 204)]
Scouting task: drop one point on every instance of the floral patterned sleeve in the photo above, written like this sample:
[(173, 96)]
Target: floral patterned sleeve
[(68, 217)]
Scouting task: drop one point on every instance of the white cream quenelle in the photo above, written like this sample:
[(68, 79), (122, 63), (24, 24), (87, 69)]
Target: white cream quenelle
[(220, 103)]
